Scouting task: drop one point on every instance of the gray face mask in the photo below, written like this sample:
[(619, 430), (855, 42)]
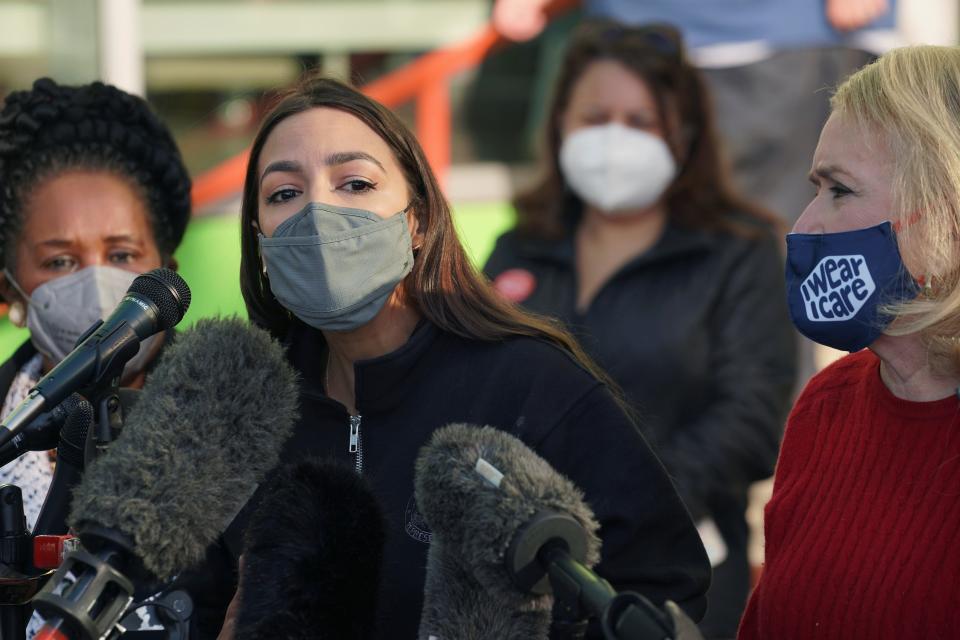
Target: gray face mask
[(335, 267), (61, 310)]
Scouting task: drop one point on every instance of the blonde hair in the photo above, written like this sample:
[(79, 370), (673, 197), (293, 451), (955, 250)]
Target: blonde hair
[(911, 98)]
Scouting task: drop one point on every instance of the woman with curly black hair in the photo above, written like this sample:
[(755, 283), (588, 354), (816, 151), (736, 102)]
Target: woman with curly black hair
[(93, 191)]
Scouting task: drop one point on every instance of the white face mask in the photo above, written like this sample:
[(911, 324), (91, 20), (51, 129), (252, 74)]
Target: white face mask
[(59, 311), (615, 168)]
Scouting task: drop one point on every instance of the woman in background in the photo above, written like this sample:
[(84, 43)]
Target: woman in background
[(93, 191), (671, 281)]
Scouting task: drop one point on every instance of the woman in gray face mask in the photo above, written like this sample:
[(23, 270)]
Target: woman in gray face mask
[(349, 255), (94, 193), (673, 283)]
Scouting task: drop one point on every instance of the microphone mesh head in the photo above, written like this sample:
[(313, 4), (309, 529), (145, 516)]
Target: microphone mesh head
[(168, 291), (68, 406), (73, 435)]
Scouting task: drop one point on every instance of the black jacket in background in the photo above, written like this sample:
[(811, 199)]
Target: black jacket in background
[(697, 333), (12, 365), (525, 387)]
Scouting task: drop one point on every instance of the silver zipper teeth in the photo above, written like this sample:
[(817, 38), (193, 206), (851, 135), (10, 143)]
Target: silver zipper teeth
[(359, 453)]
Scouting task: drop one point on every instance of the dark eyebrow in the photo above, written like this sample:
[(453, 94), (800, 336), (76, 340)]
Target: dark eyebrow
[(66, 243), (123, 237), (339, 157), (54, 242), (343, 157), (280, 165)]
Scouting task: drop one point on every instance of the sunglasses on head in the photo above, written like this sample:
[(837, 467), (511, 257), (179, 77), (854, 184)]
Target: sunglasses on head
[(661, 39)]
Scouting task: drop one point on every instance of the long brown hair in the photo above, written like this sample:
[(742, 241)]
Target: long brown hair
[(701, 195), (443, 285)]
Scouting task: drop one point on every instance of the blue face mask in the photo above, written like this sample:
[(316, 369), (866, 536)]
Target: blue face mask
[(837, 284)]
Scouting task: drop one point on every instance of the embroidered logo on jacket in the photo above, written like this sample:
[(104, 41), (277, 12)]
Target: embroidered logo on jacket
[(837, 288), (414, 523)]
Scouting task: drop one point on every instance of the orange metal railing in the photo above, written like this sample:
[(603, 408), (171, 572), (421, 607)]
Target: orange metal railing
[(424, 80)]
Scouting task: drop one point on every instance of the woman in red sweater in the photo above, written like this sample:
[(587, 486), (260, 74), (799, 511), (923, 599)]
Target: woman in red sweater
[(861, 530)]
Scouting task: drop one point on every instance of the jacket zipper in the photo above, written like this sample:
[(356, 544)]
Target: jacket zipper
[(356, 442)]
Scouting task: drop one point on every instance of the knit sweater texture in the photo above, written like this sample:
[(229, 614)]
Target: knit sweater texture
[(862, 528)]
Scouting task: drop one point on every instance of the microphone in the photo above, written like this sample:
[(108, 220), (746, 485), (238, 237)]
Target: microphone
[(511, 534), (468, 585), (312, 556), (52, 520), (42, 434), (156, 301), (208, 425), (14, 556)]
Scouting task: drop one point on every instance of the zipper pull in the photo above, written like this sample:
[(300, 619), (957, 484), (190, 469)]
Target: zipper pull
[(354, 433)]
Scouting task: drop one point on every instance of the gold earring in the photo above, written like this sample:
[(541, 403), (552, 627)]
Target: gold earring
[(930, 287), (17, 314)]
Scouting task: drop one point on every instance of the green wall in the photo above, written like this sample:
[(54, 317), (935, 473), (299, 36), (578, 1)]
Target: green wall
[(210, 262)]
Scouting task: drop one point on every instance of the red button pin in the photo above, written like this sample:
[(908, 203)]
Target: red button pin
[(516, 285)]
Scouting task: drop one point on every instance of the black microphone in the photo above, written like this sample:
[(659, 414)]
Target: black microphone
[(312, 556), (209, 424), (156, 301), (42, 434), (14, 557), (511, 535), (52, 520)]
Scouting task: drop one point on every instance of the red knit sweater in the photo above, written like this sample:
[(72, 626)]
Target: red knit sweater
[(863, 529)]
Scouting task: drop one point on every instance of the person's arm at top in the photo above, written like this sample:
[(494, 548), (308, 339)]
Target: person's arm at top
[(850, 15), (522, 20), (734, 439)]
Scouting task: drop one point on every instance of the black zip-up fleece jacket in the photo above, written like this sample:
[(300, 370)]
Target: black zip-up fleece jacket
[(523, 386), (697, 333)]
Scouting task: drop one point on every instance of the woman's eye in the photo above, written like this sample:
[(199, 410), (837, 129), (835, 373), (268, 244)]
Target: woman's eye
[(641, 122), (282, 195), (122, 257), (358, 186), (839, 191), (60, 263)]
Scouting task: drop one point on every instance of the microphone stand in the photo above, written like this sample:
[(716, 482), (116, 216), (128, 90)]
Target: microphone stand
[(546, 556), (108, 417), (14, 545), (16, 541), (100, 566), (582, 593), (97, 570)]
